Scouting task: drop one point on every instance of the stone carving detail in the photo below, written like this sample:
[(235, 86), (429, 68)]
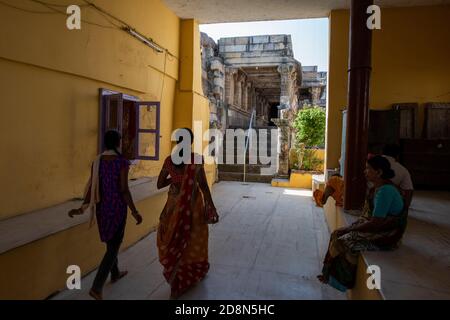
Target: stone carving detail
[(283, 145), (288, 86)]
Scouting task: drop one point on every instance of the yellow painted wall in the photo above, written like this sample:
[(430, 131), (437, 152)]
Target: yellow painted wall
[(50, 79), (409, 60), (190, 103), (38, 269), (297, 179)]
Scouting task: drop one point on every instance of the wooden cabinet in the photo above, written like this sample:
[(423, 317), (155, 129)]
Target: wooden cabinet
[(428, 162), (407, 119), (437, 121), (427, 158)]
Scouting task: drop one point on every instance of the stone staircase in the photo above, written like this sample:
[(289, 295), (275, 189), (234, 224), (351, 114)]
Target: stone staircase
[(235, 171)]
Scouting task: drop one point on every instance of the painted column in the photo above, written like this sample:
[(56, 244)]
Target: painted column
[(358, 105)]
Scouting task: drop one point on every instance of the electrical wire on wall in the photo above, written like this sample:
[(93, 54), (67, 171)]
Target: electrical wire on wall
[(121, 25), (26, 10), (130, 30), (113, 21), (163, 76), (52, 9)]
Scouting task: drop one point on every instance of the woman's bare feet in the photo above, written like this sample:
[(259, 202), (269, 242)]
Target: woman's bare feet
[(121, 275), (96, 295)]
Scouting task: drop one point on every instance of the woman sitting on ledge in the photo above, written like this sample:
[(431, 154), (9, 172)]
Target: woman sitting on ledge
[(381, 228), (334, 188)]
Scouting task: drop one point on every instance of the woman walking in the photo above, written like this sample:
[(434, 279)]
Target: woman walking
[(108, 196), (183, 230)]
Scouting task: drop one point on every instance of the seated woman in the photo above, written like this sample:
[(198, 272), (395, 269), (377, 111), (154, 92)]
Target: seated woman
[(381, 228), (334, 188)]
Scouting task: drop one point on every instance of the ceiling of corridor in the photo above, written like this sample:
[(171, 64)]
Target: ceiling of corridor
[(216, 11), (267, 82)]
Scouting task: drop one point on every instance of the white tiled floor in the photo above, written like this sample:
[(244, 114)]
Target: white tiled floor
[(268, 245)]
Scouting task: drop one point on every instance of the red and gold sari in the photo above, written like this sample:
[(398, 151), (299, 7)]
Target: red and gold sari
[(183, 232)]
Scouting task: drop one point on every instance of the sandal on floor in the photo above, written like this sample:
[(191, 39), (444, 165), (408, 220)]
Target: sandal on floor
[(121, 275)]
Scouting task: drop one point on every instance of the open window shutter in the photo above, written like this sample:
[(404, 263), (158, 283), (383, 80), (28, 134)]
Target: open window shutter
[(148, 127), (112, 110)]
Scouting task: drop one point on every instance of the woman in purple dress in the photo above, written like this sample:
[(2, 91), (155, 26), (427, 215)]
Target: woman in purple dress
[(108, 196)]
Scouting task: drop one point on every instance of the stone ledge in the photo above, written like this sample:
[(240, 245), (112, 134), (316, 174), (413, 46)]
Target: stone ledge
[(337, 218), (23, 229), (418, 269)]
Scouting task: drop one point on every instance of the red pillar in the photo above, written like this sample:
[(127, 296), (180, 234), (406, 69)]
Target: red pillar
[(358, 105)]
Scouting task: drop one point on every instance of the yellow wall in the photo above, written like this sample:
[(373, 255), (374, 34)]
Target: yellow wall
[(38, 269), (190, 103), (50, 79), (298, 179), (409, 60)]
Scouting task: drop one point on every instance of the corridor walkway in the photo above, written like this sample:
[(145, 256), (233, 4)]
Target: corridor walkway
[(269, 244)]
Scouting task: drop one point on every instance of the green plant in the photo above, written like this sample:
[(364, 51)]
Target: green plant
[(309, 124)]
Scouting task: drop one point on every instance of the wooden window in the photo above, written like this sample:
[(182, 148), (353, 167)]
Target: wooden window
[(147, 125), (137, 121)]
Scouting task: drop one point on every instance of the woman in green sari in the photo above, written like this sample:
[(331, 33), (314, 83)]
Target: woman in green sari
[(381, 227)]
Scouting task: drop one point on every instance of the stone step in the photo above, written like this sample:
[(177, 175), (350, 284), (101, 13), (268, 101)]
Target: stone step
[(257, 127), (256, 143), (267, 132), (237, 150), (239, 168), (268, 137), (250, 177), (235, 159)]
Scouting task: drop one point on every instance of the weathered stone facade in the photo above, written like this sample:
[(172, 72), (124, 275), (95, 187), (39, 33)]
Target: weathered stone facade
[(259, 74), (213, 80), (313, 89), (242, 75)]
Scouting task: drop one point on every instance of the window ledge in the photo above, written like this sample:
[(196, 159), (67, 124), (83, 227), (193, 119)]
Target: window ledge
[(26, 228)]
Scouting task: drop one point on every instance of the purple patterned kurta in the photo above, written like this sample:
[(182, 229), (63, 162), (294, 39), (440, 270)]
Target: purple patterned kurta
[(112, 209)]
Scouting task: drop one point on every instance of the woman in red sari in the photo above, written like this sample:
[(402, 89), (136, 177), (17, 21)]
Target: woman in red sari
[(183, 230)]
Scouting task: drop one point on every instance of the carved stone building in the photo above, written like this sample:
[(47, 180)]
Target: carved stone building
[(255, 75), (246, 74), (313, 89)]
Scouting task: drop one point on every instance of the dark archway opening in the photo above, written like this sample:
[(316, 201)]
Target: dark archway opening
[(274, 113)]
